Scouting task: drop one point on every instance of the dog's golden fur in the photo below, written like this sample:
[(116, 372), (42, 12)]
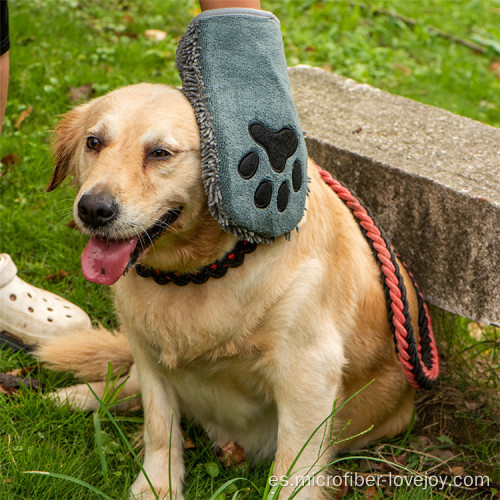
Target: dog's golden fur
[(259, 356)]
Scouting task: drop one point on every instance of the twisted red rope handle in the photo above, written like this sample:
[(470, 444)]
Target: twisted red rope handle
[(420, 364)]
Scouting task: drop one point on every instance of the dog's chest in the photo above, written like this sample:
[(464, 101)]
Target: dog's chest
[(206, 339), (231, 399), (227, 383), (181, 324)]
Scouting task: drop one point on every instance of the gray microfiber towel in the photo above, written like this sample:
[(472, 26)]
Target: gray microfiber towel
[(254, 158)]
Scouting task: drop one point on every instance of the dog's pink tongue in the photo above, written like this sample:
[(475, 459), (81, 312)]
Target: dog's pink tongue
[(104, 262)]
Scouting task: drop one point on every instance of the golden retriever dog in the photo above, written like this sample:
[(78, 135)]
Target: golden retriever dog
[(260, 356)]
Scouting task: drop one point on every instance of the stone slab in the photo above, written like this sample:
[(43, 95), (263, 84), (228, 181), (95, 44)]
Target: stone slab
[(431, 178)]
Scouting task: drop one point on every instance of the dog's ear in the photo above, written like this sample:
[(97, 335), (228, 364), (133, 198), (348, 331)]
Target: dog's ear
[(66, 137)]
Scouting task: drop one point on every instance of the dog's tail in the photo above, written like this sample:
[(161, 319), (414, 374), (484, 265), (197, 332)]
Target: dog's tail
[(87, 353)]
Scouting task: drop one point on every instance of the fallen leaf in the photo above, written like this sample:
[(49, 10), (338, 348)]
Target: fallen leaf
[(371, 493), (24, 114), (15, 372), (22, 371), (441, 454), (472, 405), (155, 35), (457, 470), (401, 459), (10, 159), (127, 18), (231, 454), (71, 224), (83, 92), (340, 491), (189, 444), (387, 467), (57, 276)]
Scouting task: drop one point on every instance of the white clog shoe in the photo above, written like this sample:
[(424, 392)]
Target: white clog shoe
[(32, 314)]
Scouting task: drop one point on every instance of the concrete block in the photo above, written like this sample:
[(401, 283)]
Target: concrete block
[(431, 178)]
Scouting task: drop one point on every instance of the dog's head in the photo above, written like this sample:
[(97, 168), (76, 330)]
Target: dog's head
[(135, 157)]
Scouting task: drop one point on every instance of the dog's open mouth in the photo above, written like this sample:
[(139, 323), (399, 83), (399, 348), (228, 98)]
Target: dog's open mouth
[(105, 261)]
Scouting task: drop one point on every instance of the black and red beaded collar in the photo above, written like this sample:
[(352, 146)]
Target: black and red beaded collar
[(217, 269)]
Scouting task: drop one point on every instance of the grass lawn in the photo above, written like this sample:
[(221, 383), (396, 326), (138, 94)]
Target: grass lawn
[(61, 46)]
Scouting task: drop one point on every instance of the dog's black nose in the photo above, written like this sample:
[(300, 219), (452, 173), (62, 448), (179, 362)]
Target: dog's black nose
[(97, 210)]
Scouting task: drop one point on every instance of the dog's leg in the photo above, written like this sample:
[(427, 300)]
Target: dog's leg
[(305, 394), (163, 443), (80, 397)]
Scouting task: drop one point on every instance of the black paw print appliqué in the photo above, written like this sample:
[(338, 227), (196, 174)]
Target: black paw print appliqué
[(279, 146)]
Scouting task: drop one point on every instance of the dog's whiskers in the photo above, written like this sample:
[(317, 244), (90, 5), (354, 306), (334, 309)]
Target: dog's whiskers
[(141, 233), (66, 219)]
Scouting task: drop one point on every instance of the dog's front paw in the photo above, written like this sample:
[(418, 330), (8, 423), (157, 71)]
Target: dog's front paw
[(78, 397), (141, 490)]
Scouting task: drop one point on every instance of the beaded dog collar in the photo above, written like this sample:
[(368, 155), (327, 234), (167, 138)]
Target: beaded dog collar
[(218, 269)]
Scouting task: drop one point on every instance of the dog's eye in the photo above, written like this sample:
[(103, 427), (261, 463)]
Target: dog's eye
[(160, 153), (93, 142)]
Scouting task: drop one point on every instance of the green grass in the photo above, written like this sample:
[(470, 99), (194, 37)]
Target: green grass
[(60, 44)]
